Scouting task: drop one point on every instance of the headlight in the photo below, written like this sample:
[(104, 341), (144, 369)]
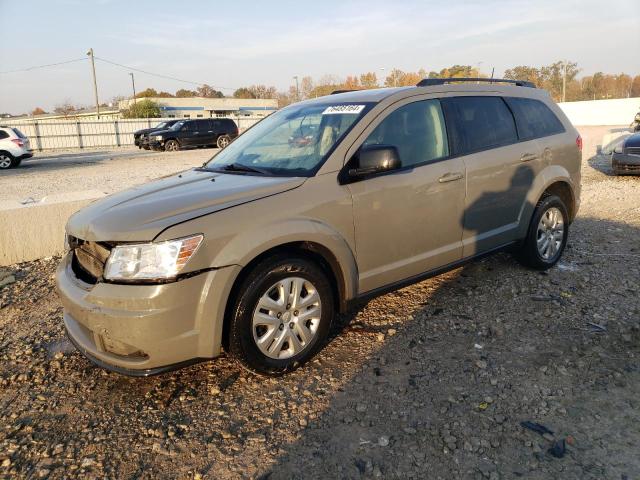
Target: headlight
[(157, 137), (618, 149), (150, 261)]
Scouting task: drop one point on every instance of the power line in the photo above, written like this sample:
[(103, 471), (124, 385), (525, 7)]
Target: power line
[(161, 75), (43, 66)]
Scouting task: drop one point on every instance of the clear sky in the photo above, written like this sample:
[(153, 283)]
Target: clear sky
[(238, 43)]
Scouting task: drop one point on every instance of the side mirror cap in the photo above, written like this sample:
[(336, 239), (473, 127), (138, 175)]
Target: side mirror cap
[(373, 159)]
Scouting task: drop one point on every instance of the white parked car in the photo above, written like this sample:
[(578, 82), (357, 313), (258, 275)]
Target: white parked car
[(14, 147)]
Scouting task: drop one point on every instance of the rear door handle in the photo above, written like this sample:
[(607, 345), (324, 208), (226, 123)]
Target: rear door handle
[(450, 177), (527, 157)]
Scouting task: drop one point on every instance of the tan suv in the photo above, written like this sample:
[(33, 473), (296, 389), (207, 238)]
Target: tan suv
[(322, 203)]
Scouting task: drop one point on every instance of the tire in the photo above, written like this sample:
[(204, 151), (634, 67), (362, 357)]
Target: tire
[(304, 319), (223, 141), (547, 234), (146, 147), (171, 146), (7, 161)]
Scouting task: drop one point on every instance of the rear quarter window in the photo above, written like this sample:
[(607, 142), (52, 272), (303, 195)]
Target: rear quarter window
[(19, 133), (3, 135), (533, 118), (478, 123)]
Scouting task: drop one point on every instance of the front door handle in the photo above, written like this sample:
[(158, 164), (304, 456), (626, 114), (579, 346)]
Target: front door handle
[(450, 177), (527, 157)]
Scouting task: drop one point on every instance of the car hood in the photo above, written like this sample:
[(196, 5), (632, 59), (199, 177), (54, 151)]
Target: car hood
[(632, 140), (147, 130), (142, 212)]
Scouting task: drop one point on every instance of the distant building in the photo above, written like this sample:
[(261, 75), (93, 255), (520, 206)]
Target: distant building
[(84, 114), (200, 107)]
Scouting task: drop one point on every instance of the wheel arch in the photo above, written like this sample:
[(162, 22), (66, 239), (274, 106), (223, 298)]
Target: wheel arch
[(312, 250)]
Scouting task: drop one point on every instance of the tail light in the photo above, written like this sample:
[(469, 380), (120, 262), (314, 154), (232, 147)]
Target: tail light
[(579, 143), (18, 142)]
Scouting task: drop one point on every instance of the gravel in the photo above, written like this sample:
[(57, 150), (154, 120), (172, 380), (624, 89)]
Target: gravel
[(431, 381)]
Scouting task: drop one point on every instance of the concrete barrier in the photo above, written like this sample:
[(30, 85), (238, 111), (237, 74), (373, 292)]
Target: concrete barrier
[(36, 230)]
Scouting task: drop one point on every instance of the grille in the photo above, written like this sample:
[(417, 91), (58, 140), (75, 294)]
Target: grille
[(632, 150), (89, 259)]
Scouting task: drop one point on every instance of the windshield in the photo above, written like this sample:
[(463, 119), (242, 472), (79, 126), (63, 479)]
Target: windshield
[(176, 126), (291, 142), (161, 125)]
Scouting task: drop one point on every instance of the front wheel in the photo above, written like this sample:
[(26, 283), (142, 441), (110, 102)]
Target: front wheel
[(223, 141), (282, 315), (547, 235), (171, 146)]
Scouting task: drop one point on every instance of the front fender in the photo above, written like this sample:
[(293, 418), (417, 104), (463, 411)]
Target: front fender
[(249, 244)]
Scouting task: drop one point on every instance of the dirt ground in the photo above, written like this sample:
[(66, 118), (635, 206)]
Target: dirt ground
[(432, 381)]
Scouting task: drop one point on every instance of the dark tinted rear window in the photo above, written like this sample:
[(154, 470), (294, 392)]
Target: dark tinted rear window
[(19, 133), (478, 123), (3, 134), (534, 118)]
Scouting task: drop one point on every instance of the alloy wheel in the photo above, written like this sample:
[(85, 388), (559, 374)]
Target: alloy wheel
[(223, 142), (550, 233), (5, 161)]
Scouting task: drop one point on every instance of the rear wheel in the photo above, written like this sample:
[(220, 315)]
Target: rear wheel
[(547, 236), (7, 161), (172, 146), (223, 141), (282, 315)]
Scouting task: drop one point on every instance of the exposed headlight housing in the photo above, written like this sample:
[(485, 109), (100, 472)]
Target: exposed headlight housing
[(618, 149), (150, 261)]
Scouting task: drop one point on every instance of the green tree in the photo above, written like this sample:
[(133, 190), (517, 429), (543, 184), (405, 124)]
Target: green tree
[(243, 92), (522, 72), (207, 91), (142, 109), (184, 93), (149, 92)]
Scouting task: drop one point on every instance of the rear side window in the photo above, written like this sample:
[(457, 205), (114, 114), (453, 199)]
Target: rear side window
[(534, 118), (417, 130), (3, 135), (478, 123), (19, 133)]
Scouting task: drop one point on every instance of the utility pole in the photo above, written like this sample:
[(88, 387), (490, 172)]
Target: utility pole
[(133, 84), (297, 89), (95, 83), (564, 81)]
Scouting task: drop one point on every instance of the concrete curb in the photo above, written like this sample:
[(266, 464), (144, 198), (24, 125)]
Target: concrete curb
[(36, 230)]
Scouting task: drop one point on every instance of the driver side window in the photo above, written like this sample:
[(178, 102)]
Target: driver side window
[(417, 130)]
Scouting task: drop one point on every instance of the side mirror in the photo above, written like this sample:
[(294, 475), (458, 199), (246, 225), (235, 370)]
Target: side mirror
[(374, 159)]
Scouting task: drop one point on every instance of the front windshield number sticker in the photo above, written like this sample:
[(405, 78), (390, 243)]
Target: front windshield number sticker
[(341, 109)]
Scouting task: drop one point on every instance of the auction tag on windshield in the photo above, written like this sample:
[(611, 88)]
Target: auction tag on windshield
[(343, 109)]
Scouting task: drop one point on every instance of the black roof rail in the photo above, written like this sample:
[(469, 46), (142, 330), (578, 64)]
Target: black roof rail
[(428, 82), (335, 92)]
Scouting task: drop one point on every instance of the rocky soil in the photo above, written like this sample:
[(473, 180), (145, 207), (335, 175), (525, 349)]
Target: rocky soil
[(432, 381)]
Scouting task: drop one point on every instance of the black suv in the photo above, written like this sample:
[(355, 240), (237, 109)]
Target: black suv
[(195, 133), (141, 137)]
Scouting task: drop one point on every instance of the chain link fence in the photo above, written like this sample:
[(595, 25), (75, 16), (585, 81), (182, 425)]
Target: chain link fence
[(78, 134)]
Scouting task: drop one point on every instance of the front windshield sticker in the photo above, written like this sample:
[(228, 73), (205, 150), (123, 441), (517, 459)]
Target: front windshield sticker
[(343, 109)]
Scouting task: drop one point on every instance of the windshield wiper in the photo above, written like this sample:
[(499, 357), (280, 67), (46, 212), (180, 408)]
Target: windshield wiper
[(238, 167)]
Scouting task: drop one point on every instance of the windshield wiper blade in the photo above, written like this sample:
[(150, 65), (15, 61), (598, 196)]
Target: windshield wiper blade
[(238, 167)]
